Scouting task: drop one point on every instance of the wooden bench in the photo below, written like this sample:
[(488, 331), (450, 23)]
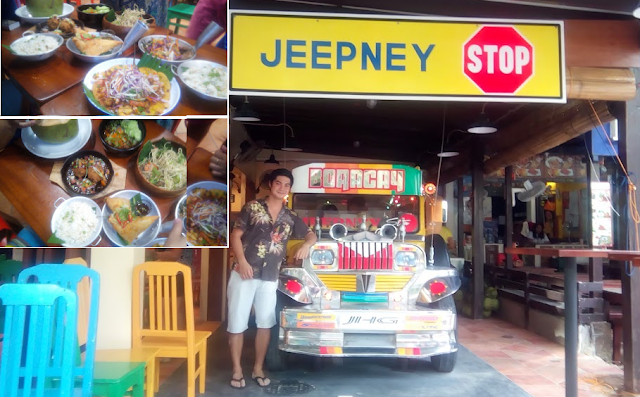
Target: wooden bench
[(545, 293)]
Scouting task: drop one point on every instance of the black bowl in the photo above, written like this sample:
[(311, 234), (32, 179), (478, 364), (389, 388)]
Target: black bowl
[(66, 169), (91, 20), (118, 151)]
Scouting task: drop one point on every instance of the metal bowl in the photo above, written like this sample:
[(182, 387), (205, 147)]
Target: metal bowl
[(60, 211), (97, 58), (145, 237), (182, 202), (157, 241), (183, 67), (145, 41), (38, 57), (209, 185)]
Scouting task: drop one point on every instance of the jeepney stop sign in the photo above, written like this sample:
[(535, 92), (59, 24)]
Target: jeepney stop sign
[(498, 59)]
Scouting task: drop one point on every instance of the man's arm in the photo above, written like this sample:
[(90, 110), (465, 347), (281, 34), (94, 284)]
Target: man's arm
[(309, 240), (243, 267)]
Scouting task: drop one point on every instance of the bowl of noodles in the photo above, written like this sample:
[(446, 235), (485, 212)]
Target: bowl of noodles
[(161, 167), (207, 215)]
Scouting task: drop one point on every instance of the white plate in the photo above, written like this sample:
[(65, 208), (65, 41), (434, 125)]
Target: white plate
[(26, 17), (57, 150), (145, 237), (88, 82), (557, 159), (60, 209)]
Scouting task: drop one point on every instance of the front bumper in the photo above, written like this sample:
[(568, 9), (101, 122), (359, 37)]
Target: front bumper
[(367, 333)]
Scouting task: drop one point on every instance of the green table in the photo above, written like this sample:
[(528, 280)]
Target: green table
[(114, 379)]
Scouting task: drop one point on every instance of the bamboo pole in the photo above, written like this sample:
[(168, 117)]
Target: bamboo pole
[(605, 84)]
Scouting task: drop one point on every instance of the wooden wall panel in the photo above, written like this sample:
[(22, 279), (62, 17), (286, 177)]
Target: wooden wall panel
[(602, 43)]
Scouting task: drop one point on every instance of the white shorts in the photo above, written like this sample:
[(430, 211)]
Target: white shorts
[(242, 295)]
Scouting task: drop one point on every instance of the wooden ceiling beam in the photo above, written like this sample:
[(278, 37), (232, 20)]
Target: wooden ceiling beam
[(545, 130)]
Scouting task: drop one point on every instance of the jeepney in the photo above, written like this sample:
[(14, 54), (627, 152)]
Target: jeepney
[(378, 282)]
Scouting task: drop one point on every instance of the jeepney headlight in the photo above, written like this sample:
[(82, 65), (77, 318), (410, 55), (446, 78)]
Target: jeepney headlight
[(406, 258), (322, 257)]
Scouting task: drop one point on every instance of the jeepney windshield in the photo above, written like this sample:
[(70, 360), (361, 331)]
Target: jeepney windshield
[(349, 208)]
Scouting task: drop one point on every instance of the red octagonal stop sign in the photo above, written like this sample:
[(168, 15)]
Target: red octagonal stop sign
[(498, 59)]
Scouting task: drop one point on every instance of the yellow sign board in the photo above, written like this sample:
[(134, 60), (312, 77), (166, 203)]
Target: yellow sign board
[(355, 56)]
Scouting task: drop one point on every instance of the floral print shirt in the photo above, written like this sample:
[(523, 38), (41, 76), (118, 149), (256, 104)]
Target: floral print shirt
[(264, 241)]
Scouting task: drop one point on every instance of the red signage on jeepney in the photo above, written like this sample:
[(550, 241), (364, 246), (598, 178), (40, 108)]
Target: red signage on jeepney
[(354, 179)]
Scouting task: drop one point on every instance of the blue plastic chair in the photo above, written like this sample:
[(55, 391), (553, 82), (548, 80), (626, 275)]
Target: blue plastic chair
[(28, 359), (9, 270), (70, 276)]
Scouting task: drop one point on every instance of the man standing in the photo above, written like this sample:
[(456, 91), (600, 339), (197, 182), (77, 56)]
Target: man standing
[(259, 242)]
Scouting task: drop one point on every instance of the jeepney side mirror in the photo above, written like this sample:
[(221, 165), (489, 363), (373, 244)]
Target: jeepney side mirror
[(445, 207)]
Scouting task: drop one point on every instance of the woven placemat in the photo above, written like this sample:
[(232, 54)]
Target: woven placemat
[(117, 182)]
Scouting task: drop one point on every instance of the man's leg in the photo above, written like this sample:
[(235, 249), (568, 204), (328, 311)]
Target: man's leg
[(236, 342), (240, 296), (265, 305)]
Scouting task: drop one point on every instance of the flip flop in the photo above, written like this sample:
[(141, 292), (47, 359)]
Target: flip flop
[(239, 381), (257, 379)]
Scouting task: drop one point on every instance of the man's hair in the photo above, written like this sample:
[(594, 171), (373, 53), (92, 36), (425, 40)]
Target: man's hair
[(280, 172)]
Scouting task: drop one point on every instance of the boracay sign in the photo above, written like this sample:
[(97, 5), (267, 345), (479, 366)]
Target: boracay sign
[(356, 56)]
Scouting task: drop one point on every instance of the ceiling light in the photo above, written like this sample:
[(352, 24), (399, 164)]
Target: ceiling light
[(292, 147), (272, 160), (482, 126), (246, 113), (448, 153), (636, 12)]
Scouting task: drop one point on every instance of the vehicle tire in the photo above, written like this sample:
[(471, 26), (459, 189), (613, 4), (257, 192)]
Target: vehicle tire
[(445, 362), (276, 359)]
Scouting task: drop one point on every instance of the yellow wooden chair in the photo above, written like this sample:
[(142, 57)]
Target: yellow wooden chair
[(161, 329)]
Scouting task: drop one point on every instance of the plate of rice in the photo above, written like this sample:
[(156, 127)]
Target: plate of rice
[(77, 222), (206, 79), (37, 46)]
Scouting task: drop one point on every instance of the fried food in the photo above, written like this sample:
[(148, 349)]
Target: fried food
[(126, 89), (94, 45), (125, 222), (53, 22), (63, 26), (80, 171)]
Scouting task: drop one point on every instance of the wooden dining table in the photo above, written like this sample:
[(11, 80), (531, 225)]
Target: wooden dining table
[(24, 180), (55, 85)]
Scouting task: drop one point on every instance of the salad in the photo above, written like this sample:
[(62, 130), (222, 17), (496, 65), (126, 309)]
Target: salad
[(207, 217), (127, 89), (130, 16), (163, 166), (167, 48), (97, 10), (122, 134)]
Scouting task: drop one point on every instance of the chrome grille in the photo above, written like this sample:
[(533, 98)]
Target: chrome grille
[(357, 255)]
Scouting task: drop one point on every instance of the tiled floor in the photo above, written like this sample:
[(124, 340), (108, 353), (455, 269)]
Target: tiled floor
[(532, 362), (535, 363)]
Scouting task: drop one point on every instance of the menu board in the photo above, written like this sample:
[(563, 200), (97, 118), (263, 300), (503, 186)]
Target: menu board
[(601, 217), (547, 167)]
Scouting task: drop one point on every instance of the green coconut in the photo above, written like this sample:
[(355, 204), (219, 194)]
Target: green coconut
[(56, 130), (44, 8)]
